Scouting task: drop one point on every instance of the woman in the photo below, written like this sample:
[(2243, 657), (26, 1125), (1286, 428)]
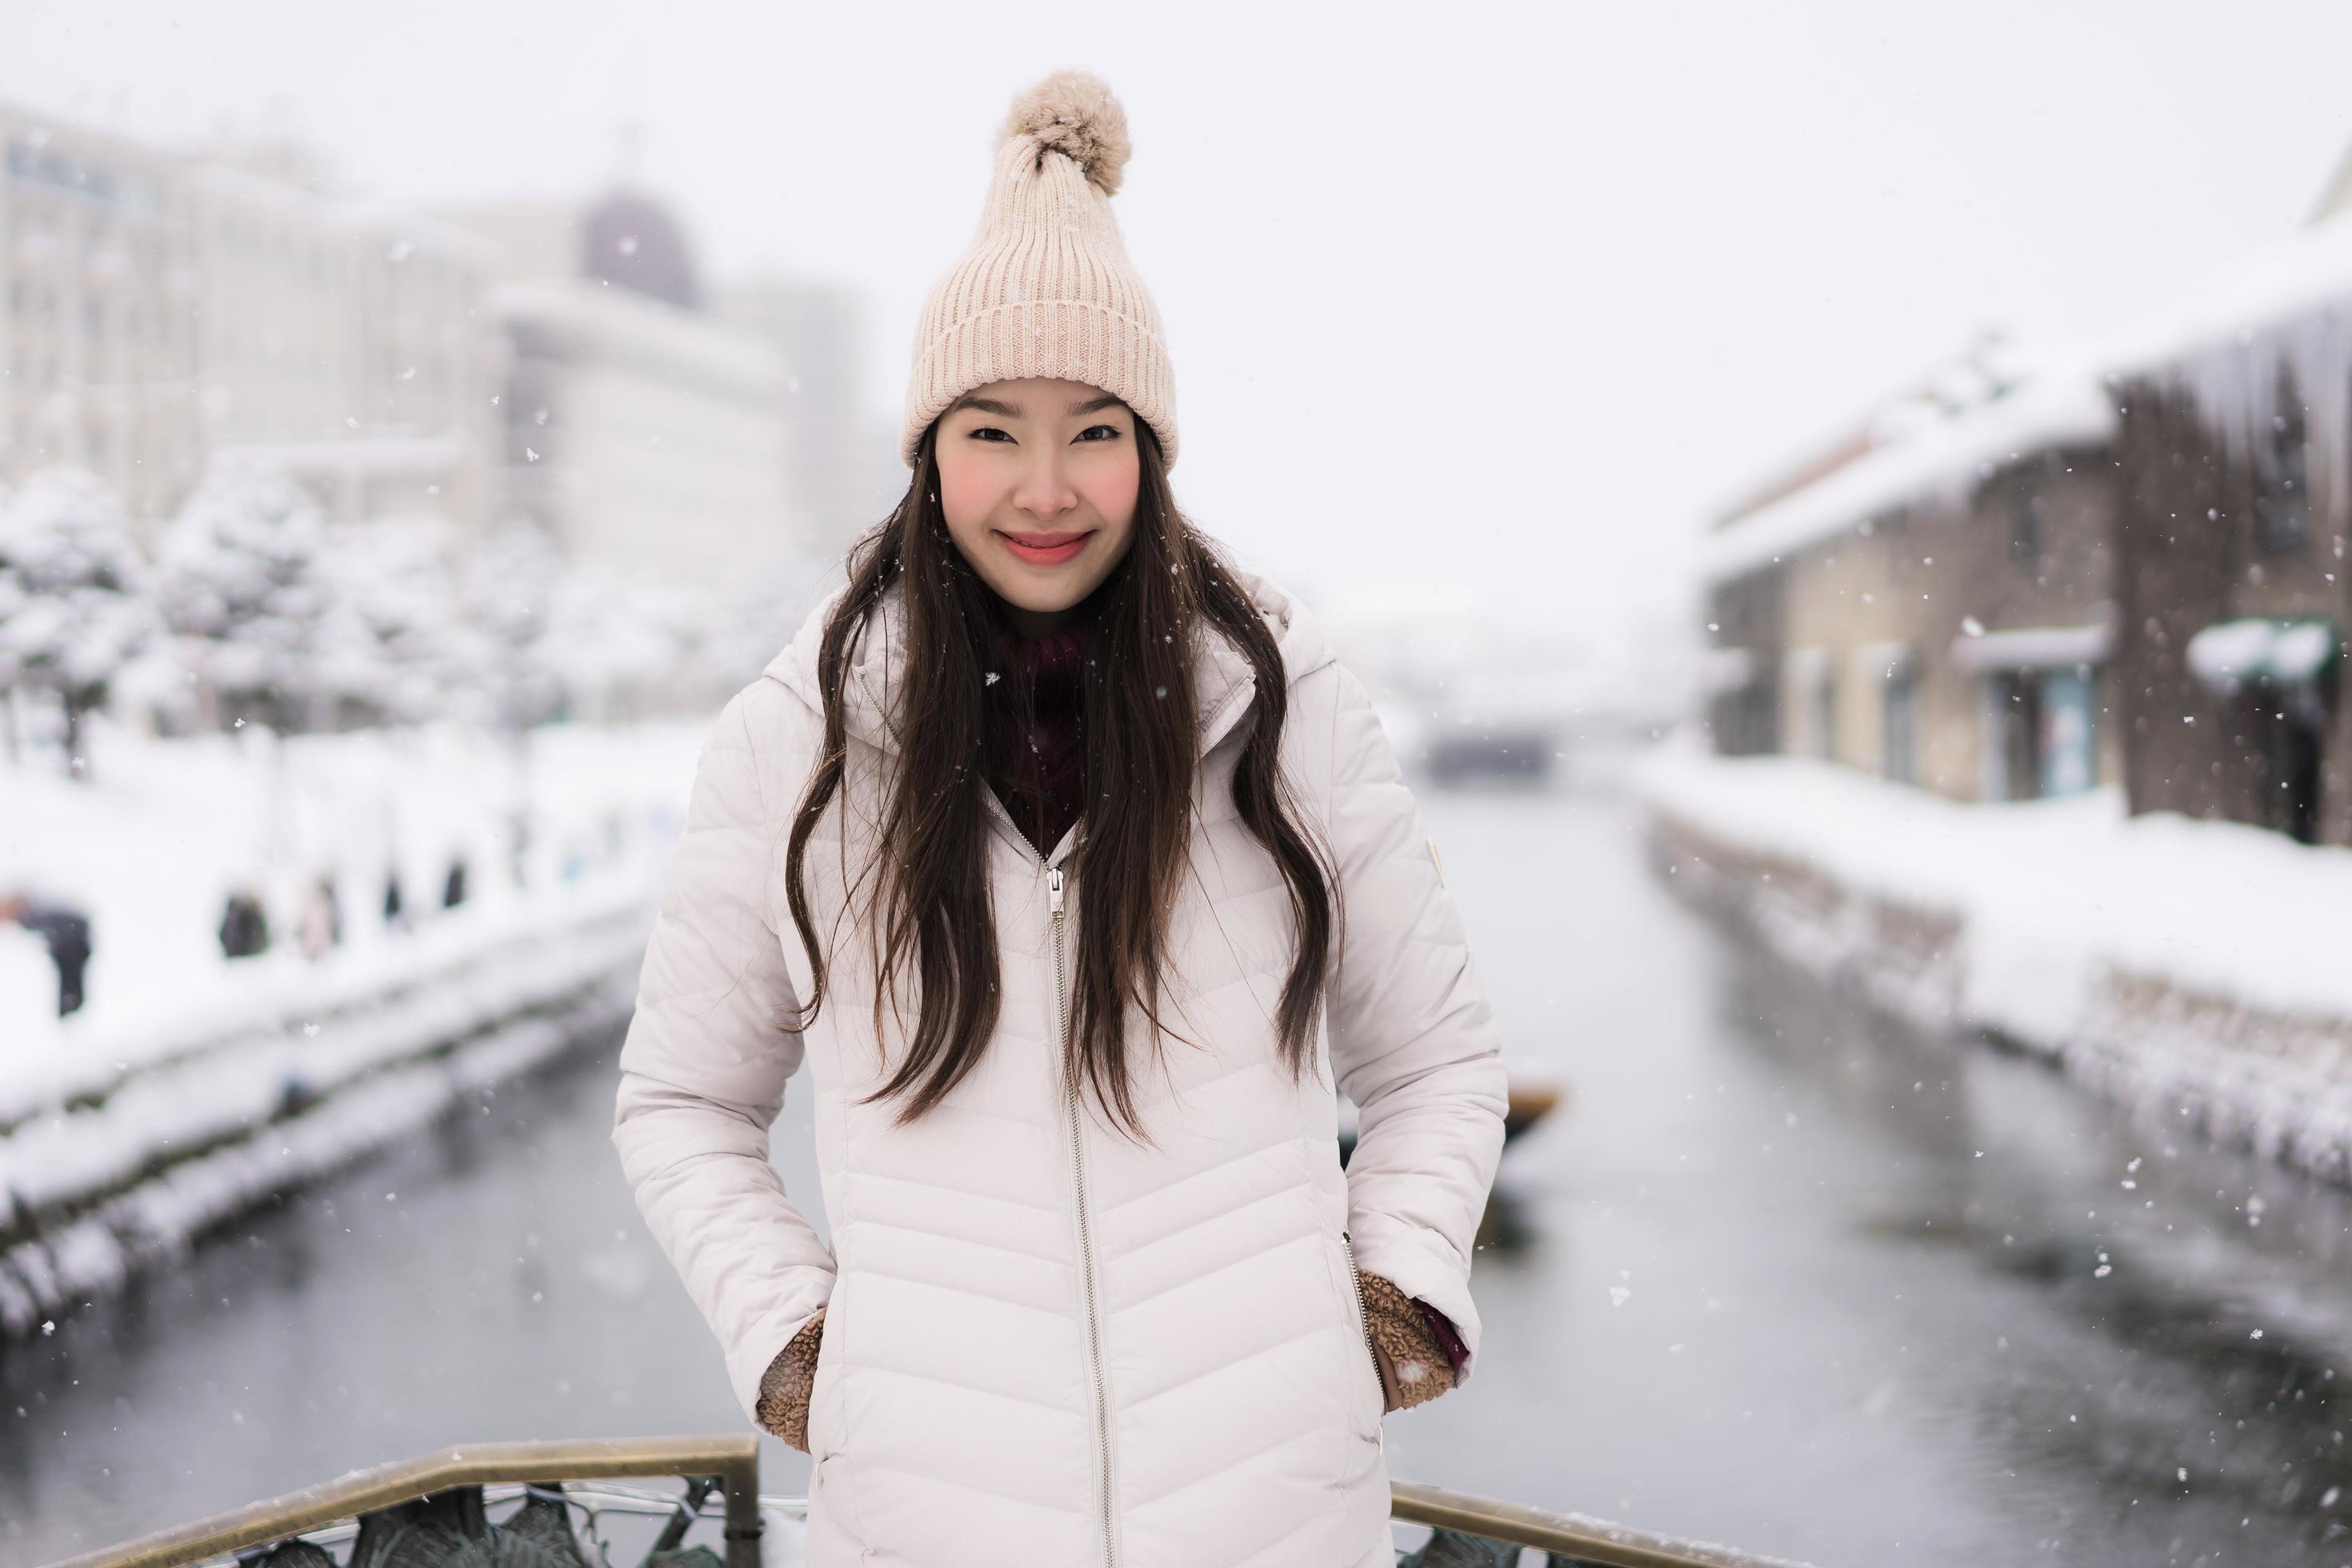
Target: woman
[(1075, 869)]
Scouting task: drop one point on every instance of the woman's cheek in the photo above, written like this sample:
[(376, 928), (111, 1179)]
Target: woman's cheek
[(1112, 495), (965, 496)]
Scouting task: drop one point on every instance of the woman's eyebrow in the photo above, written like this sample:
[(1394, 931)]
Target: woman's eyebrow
[(1013, 410)]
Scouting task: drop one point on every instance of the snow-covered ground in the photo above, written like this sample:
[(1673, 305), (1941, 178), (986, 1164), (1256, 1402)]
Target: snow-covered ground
[(2196, 963), (152, 843)]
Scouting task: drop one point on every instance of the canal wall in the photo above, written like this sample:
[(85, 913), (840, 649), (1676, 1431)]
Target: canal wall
[(2193, 972), (129, 1163)]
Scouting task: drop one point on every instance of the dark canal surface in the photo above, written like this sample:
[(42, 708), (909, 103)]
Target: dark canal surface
[(1780, 1274)]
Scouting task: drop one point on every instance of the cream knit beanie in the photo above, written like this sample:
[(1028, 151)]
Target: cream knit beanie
[(1046, 289)]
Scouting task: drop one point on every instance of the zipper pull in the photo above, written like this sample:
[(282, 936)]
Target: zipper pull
[(1054, 887)]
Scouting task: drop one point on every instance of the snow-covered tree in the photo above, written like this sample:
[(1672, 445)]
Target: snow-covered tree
[(241, 579), (509, 585), (390, 647), (619, 646), (757, 614), (73, 609)]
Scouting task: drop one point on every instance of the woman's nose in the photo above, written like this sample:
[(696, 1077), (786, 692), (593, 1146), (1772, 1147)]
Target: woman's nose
[(1045, 491)]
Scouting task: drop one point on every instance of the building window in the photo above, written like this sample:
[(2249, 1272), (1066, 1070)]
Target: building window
[(2283, 497), (2025, 528), (2013, 711), (1811, 694), (2041, 737), (1826, 716), (1902, 723), (2069, 762)]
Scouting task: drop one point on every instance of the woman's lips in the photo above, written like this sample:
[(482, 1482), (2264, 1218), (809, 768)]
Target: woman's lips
[(1044, 548)]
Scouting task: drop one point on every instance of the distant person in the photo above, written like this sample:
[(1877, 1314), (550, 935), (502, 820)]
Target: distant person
[(244, 925), (519, 848), (395, 913), (321, 927), (453, 890), (65, 930)]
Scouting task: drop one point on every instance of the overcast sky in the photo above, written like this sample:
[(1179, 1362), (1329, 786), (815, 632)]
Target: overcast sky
[(1503, 298)]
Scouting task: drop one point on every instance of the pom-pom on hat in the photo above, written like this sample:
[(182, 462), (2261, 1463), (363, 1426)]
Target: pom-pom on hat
[(1047, 289)]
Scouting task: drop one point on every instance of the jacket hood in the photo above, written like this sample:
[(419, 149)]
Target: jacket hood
[(1222, 682)]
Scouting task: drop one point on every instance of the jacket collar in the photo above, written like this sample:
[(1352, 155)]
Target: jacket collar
[(1222, 682)]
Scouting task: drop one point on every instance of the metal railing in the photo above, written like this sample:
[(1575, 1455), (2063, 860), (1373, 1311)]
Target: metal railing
[(1466, 1530), (1571, 1540), (733, 1461)]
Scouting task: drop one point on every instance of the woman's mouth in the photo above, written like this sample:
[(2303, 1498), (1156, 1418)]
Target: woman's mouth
[(1044, 548)]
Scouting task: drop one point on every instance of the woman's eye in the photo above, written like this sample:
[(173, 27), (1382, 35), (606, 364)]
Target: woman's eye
[(1109, 432), (989, 433)]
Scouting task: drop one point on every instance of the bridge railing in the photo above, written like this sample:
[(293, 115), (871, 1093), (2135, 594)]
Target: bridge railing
[(450, 1489)]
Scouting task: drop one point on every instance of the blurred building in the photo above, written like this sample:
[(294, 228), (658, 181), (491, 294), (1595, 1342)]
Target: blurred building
[(647, 436), (164, 307), (2127, 566), (342, 341), (843, 458), (98, 342), (1938, 609)]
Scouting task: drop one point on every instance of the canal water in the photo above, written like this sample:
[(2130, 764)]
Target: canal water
[(1779, 1274)]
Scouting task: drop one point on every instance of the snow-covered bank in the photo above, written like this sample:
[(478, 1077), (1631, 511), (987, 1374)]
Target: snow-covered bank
[(2194, 968), (192, 1085), (152, 842)]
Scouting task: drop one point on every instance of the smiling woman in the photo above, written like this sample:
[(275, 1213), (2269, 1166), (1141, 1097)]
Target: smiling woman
[(1038, 479), (1118, 879)]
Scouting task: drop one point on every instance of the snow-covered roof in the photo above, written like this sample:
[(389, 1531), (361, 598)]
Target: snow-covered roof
[(2308, 271), (1926, 450), (2062, 405)]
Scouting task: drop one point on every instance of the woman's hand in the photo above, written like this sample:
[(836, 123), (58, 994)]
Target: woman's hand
[(785, 1388), (1414, 1365)]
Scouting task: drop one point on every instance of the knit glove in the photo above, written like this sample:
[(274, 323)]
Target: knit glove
[(1416, 1356), (784, 1403)]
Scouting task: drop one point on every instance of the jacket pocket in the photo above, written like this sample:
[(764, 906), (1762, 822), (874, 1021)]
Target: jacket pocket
[(832, 1508)]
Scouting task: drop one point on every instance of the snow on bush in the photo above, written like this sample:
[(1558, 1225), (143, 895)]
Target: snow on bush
[(72, 609)]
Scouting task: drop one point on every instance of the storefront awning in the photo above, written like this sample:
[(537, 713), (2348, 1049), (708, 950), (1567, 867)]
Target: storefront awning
[(2228, 654), (2033, 648)]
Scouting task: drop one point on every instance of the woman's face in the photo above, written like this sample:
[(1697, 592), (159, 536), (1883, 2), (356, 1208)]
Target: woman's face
[(1038, 479)]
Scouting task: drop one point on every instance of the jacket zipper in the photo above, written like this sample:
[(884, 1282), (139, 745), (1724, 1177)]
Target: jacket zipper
[(1364, 1318), (1085, 1235)]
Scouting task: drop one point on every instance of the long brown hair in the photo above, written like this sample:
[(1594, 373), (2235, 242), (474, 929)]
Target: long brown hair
[(1142, 729)]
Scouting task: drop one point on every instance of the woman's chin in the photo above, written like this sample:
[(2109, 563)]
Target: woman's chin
[(1043, 591)]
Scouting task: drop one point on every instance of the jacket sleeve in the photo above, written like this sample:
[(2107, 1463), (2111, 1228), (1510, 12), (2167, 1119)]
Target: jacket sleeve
[(1413, 1042), (702, 1074)]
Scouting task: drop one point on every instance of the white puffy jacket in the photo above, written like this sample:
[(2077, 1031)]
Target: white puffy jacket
[(1043, 1345)]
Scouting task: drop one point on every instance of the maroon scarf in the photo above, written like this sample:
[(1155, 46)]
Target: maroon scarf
[(1038, 768)]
